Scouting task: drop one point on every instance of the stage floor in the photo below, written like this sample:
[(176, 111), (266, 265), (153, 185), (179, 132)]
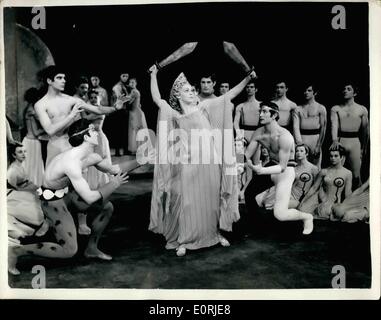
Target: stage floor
[(280, 259)]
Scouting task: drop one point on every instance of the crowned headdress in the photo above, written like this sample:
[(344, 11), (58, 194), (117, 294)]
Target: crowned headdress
[(180, 81)]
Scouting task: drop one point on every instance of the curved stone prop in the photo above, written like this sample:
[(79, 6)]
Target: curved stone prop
[(25, 55)]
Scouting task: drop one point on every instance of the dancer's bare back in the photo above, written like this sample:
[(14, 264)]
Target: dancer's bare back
[(66, 165)]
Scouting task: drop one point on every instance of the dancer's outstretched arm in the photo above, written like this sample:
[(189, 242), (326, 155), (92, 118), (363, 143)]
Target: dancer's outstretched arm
[(156, 97), (155, 92), (235, 91), (100, 110)]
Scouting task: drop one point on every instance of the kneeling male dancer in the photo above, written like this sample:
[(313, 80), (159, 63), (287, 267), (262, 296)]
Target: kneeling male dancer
[(280, 144), (64, 189)]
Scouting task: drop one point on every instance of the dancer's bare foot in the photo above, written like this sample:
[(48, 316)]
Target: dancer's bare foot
[(83, 229), (14, 271), (223, 241), (170, 246), (43, 229), (181, 251), (12, 261), (96, 253), (308, 224)]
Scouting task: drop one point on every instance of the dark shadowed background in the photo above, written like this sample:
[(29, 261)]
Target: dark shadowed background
[(290, 41)]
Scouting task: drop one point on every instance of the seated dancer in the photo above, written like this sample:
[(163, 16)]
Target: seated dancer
[(349, 122), (355, 207), (329, 187), (310, 123), (192, 199), (65, 189), (305, 175), (25, 216), (280, 169)]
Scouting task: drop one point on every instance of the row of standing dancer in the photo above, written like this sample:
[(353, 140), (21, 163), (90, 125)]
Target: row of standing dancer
[(124, 124)]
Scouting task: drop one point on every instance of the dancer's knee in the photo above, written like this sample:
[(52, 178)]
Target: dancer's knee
[(70, 249), (293, 204), (338, 211), (280, 213), (108, 209)]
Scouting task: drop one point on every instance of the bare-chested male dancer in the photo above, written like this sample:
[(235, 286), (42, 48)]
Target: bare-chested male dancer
[(57, 111), (310, 124), (246, 121), (56, 199), (286, 106), (349, 120), (280, 145), (247, 113)]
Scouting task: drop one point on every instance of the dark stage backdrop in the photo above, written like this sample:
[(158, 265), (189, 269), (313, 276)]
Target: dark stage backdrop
[(290, 41)]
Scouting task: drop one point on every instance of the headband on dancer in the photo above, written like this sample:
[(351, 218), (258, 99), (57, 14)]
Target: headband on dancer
[(271, 105), (180, 81)]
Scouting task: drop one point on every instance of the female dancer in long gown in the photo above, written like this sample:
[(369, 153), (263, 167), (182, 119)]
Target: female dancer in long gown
[(136, 117), (33, 163), (190, 200)]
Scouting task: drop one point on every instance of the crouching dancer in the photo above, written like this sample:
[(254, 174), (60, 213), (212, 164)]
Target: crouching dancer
[(281, 168), (64, 189)]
